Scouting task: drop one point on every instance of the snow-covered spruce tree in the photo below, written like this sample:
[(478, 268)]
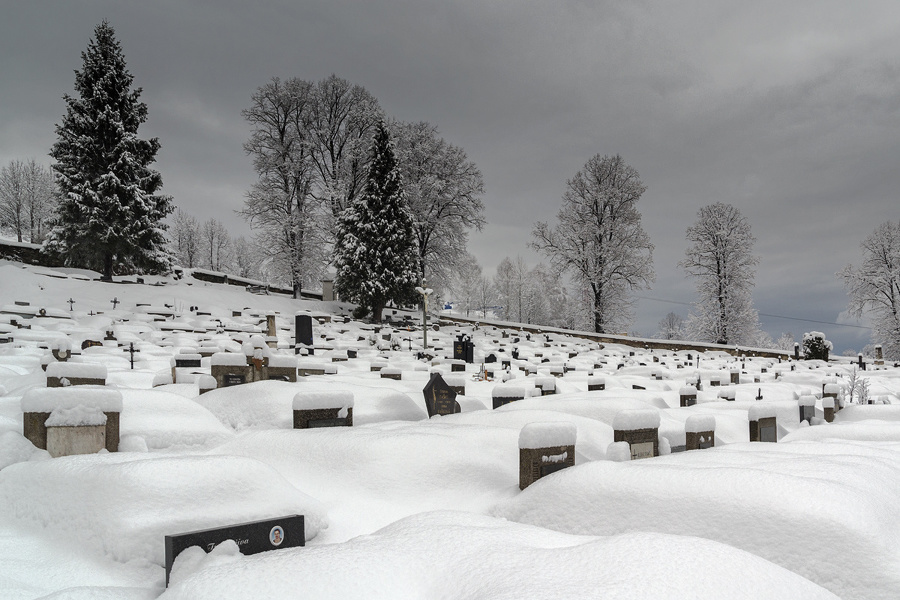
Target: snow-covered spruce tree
[(374, 252), (874, 286), (110, 214), (600, 241), (721, 261), (815, 346)]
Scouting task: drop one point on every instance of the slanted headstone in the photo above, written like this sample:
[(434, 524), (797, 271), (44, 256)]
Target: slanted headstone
[(545, 448), (38, 404), (440, 398), (323, 409), (75, 430), (251, 538), (763, 424), (640, 428), (700, 432), (807, 408)]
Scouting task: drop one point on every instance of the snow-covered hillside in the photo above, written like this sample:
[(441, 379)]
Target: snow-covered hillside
[(403, 506)]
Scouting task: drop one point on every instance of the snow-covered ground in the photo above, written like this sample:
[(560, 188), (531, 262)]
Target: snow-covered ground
[(402, 506)]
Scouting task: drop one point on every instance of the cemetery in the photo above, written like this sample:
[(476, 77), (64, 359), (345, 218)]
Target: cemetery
[(186, 440)]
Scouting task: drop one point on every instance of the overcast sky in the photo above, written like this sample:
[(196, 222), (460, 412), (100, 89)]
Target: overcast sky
[(787, 110)]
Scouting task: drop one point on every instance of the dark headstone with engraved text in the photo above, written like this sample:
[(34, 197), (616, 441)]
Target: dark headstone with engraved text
[(440, 398), (251, 538)]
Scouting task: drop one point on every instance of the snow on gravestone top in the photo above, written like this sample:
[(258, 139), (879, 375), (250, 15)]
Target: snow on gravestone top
[(49, 399), (283, 361), (636, 418), (76, 416), (509, 391), (77, 370), (832, 388), (317, 400), (547, 435), (596, 380), (807, 400), (763, 410), (228, 359), (687, 390), (61, 344), (700, 423), (827, 402)]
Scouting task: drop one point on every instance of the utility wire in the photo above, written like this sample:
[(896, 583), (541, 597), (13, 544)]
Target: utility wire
[(765, 314)]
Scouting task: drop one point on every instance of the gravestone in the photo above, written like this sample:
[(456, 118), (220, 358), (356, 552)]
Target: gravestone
[(596, 384), (440, 398), (807, 408), (545, 448), (464, 349), (763, 424), (323, 409), (828, 408), (700, 432), (687, 396), (303, 330), (504, 394), (39, 403), (640, 428), (251, 538)]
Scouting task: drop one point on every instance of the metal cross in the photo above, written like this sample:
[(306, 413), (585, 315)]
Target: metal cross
[(115, 301), (71, 302)]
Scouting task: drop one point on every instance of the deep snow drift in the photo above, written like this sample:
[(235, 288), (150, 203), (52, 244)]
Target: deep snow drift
[(402, 506)]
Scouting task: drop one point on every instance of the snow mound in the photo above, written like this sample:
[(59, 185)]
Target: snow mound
[(166, 420), (123, 505), (459, 555), (793, 513)]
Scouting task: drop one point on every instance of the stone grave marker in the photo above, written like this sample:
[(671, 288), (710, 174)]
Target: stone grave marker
[(828, 407), (323, 409), (687, 395), (76, 430), (700, 432), (640, 428), (596, 384), (545, 448), (303, 330), (63, 374), (763, 424), (39, 403), (807, 408), (440, 398), (504, 394), (251, 538)]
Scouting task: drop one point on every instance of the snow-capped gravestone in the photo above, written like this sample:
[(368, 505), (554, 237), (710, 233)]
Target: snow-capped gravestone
[(230, 368), (807, 408), (545, 448), (61, 348), (440, 398), (251, 538), (640, 428), (185, 360), (828, 408), (464, 349), (547, 385), (323, 409), (504, 394), (38, 404), (687, 396), (303, 331), (62, 374), (76, 430), (832, 390), (700, 432), (596, 384), (763, 425)]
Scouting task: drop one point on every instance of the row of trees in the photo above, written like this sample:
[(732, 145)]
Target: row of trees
[(28, 198), (311, 147)]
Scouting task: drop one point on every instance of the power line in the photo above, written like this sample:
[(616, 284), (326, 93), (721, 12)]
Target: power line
[(765, 314)]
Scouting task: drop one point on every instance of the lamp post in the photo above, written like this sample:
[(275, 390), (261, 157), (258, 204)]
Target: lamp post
[(425, 293)]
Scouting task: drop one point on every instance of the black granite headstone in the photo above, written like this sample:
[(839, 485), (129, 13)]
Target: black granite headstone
[(251, 538), (303, 332), (440, 398)]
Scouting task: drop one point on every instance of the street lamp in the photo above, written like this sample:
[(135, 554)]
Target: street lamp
[(425, 293)]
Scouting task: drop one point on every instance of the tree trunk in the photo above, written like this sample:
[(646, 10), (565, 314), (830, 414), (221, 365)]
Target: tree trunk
[(107, 267), (377, 309)]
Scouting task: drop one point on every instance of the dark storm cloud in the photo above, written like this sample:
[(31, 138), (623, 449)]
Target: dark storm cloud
[(786, 110)]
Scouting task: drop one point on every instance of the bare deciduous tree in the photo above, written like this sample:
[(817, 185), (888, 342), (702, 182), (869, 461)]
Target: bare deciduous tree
[(27, 199), (185, 239), (874, 287), (671, 327), (215, 244), (722, 262), (600, 241)]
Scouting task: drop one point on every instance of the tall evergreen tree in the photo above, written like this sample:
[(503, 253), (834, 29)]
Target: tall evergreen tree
[(110, 212), (374, 253)]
